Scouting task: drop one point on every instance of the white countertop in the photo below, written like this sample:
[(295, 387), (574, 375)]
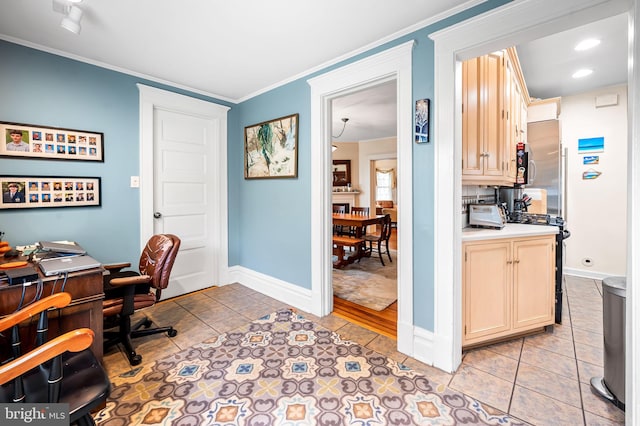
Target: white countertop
[(510, 230)]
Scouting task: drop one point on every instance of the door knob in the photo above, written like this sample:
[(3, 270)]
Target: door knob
[(157, 215)]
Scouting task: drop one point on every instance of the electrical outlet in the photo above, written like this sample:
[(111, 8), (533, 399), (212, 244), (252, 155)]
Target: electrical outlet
[(135, 181)]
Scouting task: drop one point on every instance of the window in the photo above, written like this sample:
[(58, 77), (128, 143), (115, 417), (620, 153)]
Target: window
[(385, 182)]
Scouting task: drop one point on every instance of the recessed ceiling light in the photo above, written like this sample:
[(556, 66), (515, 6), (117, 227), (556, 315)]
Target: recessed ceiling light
[(582, 73), (587, 44)]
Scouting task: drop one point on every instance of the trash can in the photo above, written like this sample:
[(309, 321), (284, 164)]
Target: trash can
[(611, 386)]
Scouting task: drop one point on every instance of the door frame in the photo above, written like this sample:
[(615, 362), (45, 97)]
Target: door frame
[(151, 99), (509, 25), (392, 64)]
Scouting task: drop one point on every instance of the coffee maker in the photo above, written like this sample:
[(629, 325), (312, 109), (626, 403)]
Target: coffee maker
[(511, 200)]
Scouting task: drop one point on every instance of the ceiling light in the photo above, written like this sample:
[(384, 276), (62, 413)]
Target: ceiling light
[(587, 44), (344, 120), (73, 14), (71, 22), (582, 73)]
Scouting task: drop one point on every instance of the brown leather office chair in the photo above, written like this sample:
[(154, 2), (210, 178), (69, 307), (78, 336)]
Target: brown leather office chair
[(60, 370), (129, 291), (381, 237)]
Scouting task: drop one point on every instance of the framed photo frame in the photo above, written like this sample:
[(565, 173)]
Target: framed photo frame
[(29, 192), (271, 149), (422, 120), (341, 172), (55, 143)]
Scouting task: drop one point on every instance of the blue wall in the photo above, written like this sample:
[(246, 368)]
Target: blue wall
[(270, 212), (269, 220), (48, 90)]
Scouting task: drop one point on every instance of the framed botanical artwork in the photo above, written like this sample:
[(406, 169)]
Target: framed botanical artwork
[(422, 121), (271, 149), (28, 192), (31, 141)]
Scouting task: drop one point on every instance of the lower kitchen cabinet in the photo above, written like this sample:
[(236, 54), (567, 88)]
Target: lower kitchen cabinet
[(508, 287)]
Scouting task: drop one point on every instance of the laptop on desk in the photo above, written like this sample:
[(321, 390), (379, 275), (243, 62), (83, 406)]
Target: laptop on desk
[(61, 265), (61, 247)]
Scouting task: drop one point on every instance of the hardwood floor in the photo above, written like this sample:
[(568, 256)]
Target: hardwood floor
[(384, 322)]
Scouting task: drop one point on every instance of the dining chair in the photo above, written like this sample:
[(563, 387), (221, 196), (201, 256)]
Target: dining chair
[(128, 291), (364, 211), (361, 211), (380, 237), (339, 208), (58, 370)]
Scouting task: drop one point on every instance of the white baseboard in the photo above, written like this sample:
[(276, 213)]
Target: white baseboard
[(423, 345), (296, 296), (586, 274)]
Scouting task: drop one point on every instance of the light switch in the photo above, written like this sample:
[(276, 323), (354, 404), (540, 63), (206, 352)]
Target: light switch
[(135, 181)]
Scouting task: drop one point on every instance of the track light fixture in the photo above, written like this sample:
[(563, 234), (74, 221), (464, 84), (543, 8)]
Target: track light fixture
[(73, 14), (344, 120)]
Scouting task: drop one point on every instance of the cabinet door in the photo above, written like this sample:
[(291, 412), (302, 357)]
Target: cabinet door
[(486, 295), (533, 284), (492, 107), (472, 127)]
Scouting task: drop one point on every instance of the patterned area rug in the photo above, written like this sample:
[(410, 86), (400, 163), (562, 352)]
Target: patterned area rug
[(368, 282), (285, 370)]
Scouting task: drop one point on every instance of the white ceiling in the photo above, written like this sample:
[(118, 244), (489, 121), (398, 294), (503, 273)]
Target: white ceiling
[(234, 50), (230, 49), (548, 63)]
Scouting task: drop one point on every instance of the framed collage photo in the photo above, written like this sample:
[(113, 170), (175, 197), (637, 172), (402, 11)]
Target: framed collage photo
[(31, 141), (271, 149), (28, 192)]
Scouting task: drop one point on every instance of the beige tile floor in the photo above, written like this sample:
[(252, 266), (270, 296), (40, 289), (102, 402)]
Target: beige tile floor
[(541, 379)]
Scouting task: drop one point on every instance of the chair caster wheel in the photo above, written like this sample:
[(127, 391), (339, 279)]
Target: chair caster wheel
[(147, 323), (172, 333), (135, 360)]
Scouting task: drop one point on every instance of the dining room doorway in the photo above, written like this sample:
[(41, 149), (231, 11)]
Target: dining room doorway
[(394, 63), (364, 135)]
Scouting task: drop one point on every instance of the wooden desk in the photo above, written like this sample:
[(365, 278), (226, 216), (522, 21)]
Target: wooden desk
[(85, 309), (360, 222)]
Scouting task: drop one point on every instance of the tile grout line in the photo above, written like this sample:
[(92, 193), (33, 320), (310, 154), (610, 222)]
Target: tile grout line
[(515, 378), (575, 354)]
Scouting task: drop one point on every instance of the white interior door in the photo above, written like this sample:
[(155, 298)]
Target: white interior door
[(183, 196), (183, 182)]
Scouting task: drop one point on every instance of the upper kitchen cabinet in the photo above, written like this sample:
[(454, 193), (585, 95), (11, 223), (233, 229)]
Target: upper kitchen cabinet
[(494, 105)]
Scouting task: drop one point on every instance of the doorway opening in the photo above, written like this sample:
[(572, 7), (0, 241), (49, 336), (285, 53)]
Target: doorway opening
[(392, 64), (518, 23), (364, 140)]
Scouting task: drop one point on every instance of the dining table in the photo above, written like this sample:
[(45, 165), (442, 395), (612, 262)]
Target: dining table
[(359, 222)]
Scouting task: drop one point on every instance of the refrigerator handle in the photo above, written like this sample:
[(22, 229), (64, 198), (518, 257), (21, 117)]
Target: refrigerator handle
[(532, 171)]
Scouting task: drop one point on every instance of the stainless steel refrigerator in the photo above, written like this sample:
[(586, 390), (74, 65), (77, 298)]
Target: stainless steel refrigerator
[(545, 162)]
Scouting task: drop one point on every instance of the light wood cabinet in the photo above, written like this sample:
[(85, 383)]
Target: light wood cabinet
[(508, 287), (494, 101), (482, 125)]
